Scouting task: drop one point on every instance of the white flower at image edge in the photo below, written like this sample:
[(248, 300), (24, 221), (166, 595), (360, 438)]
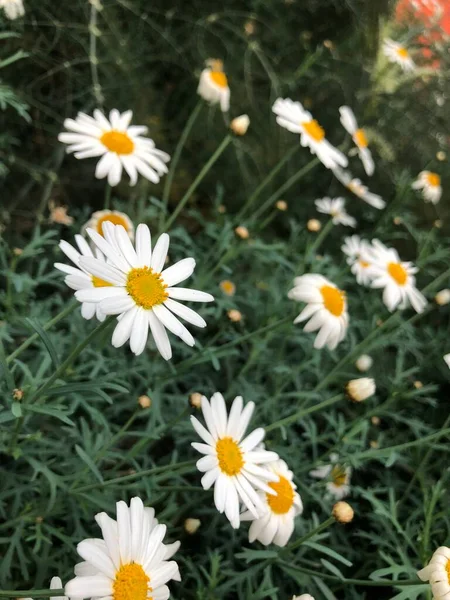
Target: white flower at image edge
[(140, 291), (437, 572), (55, 584), (130, 562), (335, 207), (232, 463), (13, 8), (277, 523), (447, 360), (120, 145), (359, 137), (303, 597)]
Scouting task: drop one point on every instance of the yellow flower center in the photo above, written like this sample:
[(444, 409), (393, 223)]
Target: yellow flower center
[(229, 455), (314, 130), (97, 282), (219, 78), (333, 300), (338, 476), (283, 501), (398, 273), (433, 179), (403, 52), (228, 287), (131, 583), (146, 287), (117, 142), (363, 263), (355, 188), (361, 138), (114, 218), (447, 568)]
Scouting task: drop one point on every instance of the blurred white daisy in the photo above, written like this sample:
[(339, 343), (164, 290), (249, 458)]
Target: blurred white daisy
[(338, 485), (430, 184), (326, 308), (13, 8), (353, 247), (399, 54), (213, 85), (234, 464), (141, 292), (276, 525), (113, 216), (55, 584), (120, 145), (293, 117), (129, 562), (396, 277), (437, 572), (359, 137), (335, 207), (78, 278), (357, 188), (303, 597), (447, 359)]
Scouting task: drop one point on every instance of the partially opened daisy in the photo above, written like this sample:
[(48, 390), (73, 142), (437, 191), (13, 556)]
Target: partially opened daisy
[(359, 137), (399, 54), (326, 309), (437, 572), (357, 188), (338, 485), (141, 291), (13, 8), (120, 145), (430, 184), (79, 278), (55, 584), (354, 247), (293, 117), (276, 525), (396, 277), (113, 216), (233, 463), (336, 208), (129, 562), (213, 85)]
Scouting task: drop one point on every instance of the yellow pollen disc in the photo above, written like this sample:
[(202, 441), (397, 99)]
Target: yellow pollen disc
[(361, 138), (333, 300), (117, 142), (338, 476), (228, 287), (114, 218), (433, 179), (131, 583), (398, 273), (146, 287), (283, 501), (97, 282), (447, 568), (314, 130), (219, 78), (403, 52), (229, 455), (363, 263)]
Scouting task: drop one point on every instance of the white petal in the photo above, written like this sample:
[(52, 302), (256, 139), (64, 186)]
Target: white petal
[(88, 587), (139, 332), (185, 313), (187, 294), (160, 252), (178, 272), (96, 557), (160, 336), (124, 328), (173, 324), (101, 269), (143, 245)]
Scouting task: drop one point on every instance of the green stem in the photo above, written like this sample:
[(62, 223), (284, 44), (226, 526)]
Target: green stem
[(107, 203), (227, 139), (303, 412), (318, 241), (309, 535), (30, 593), (93, 60)]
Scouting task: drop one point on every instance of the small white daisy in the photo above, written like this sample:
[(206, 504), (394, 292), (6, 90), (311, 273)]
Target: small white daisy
[(326, 308), (141, 292), (276, 525), (293, 117), (359, 137), (396, 277), (55, 584), (213, 85), (113, 216), (13, 8), (339, 485), (399, 54), (447, 360), (78, 278), (430, 184), (357, 188), (120, 145), (130, 562), (353, 247), (437, 572), (336, 208), (234, 464)]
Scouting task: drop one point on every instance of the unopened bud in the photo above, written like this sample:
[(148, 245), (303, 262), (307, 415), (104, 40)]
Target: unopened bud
[(364, 363), (314, 225), (441, 155), (227, 287), (195, 400), (17, 394), (145, 401), (239, 125), (438, 223), (360, 389), (398, 221), (343, 512), (418, 385), (191, 525), (234, 315), (222, 209), (375, 420), (281, 205), (242, 232), (17, 251), (443, 297)]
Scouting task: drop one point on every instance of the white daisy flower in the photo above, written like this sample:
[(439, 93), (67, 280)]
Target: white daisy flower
[(353, 247), (447, 359), (213, 85), (293, 117), (113, 216), (437, 572), (120, 145), (396, 277), (234, 464), (359, 137), (336, 208), (79, 278), (55, 584), (276, 525), (326, 308), (13, 8), (303, 597), (339, 485), (430, 184), (141, 292), (399, 54), (130, 562), (357, 188)]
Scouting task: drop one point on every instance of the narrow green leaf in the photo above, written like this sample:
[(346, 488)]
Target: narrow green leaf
[(89, 462), (45, 339)]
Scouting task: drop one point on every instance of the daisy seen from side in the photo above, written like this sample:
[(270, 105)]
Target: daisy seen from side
[(353, 248), (213, 85), (398, 54), (359, 189), (430, 184), (335, 207), (338, 486), (359, 138), (113, 216), (437, 573)]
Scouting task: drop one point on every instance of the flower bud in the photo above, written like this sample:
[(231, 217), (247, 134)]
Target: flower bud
[(281, 205), (398, 221), (364, 363), (360, 389), (222, 209), (17, 394), (303, 597), (239, 125), (375, 420), (441, 155), (144, 401), (443, 297), (343, 512), (242, 232), (227, 287), (314, 225), (418, 385), (234, 315), (195, 400), (191, 525)]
